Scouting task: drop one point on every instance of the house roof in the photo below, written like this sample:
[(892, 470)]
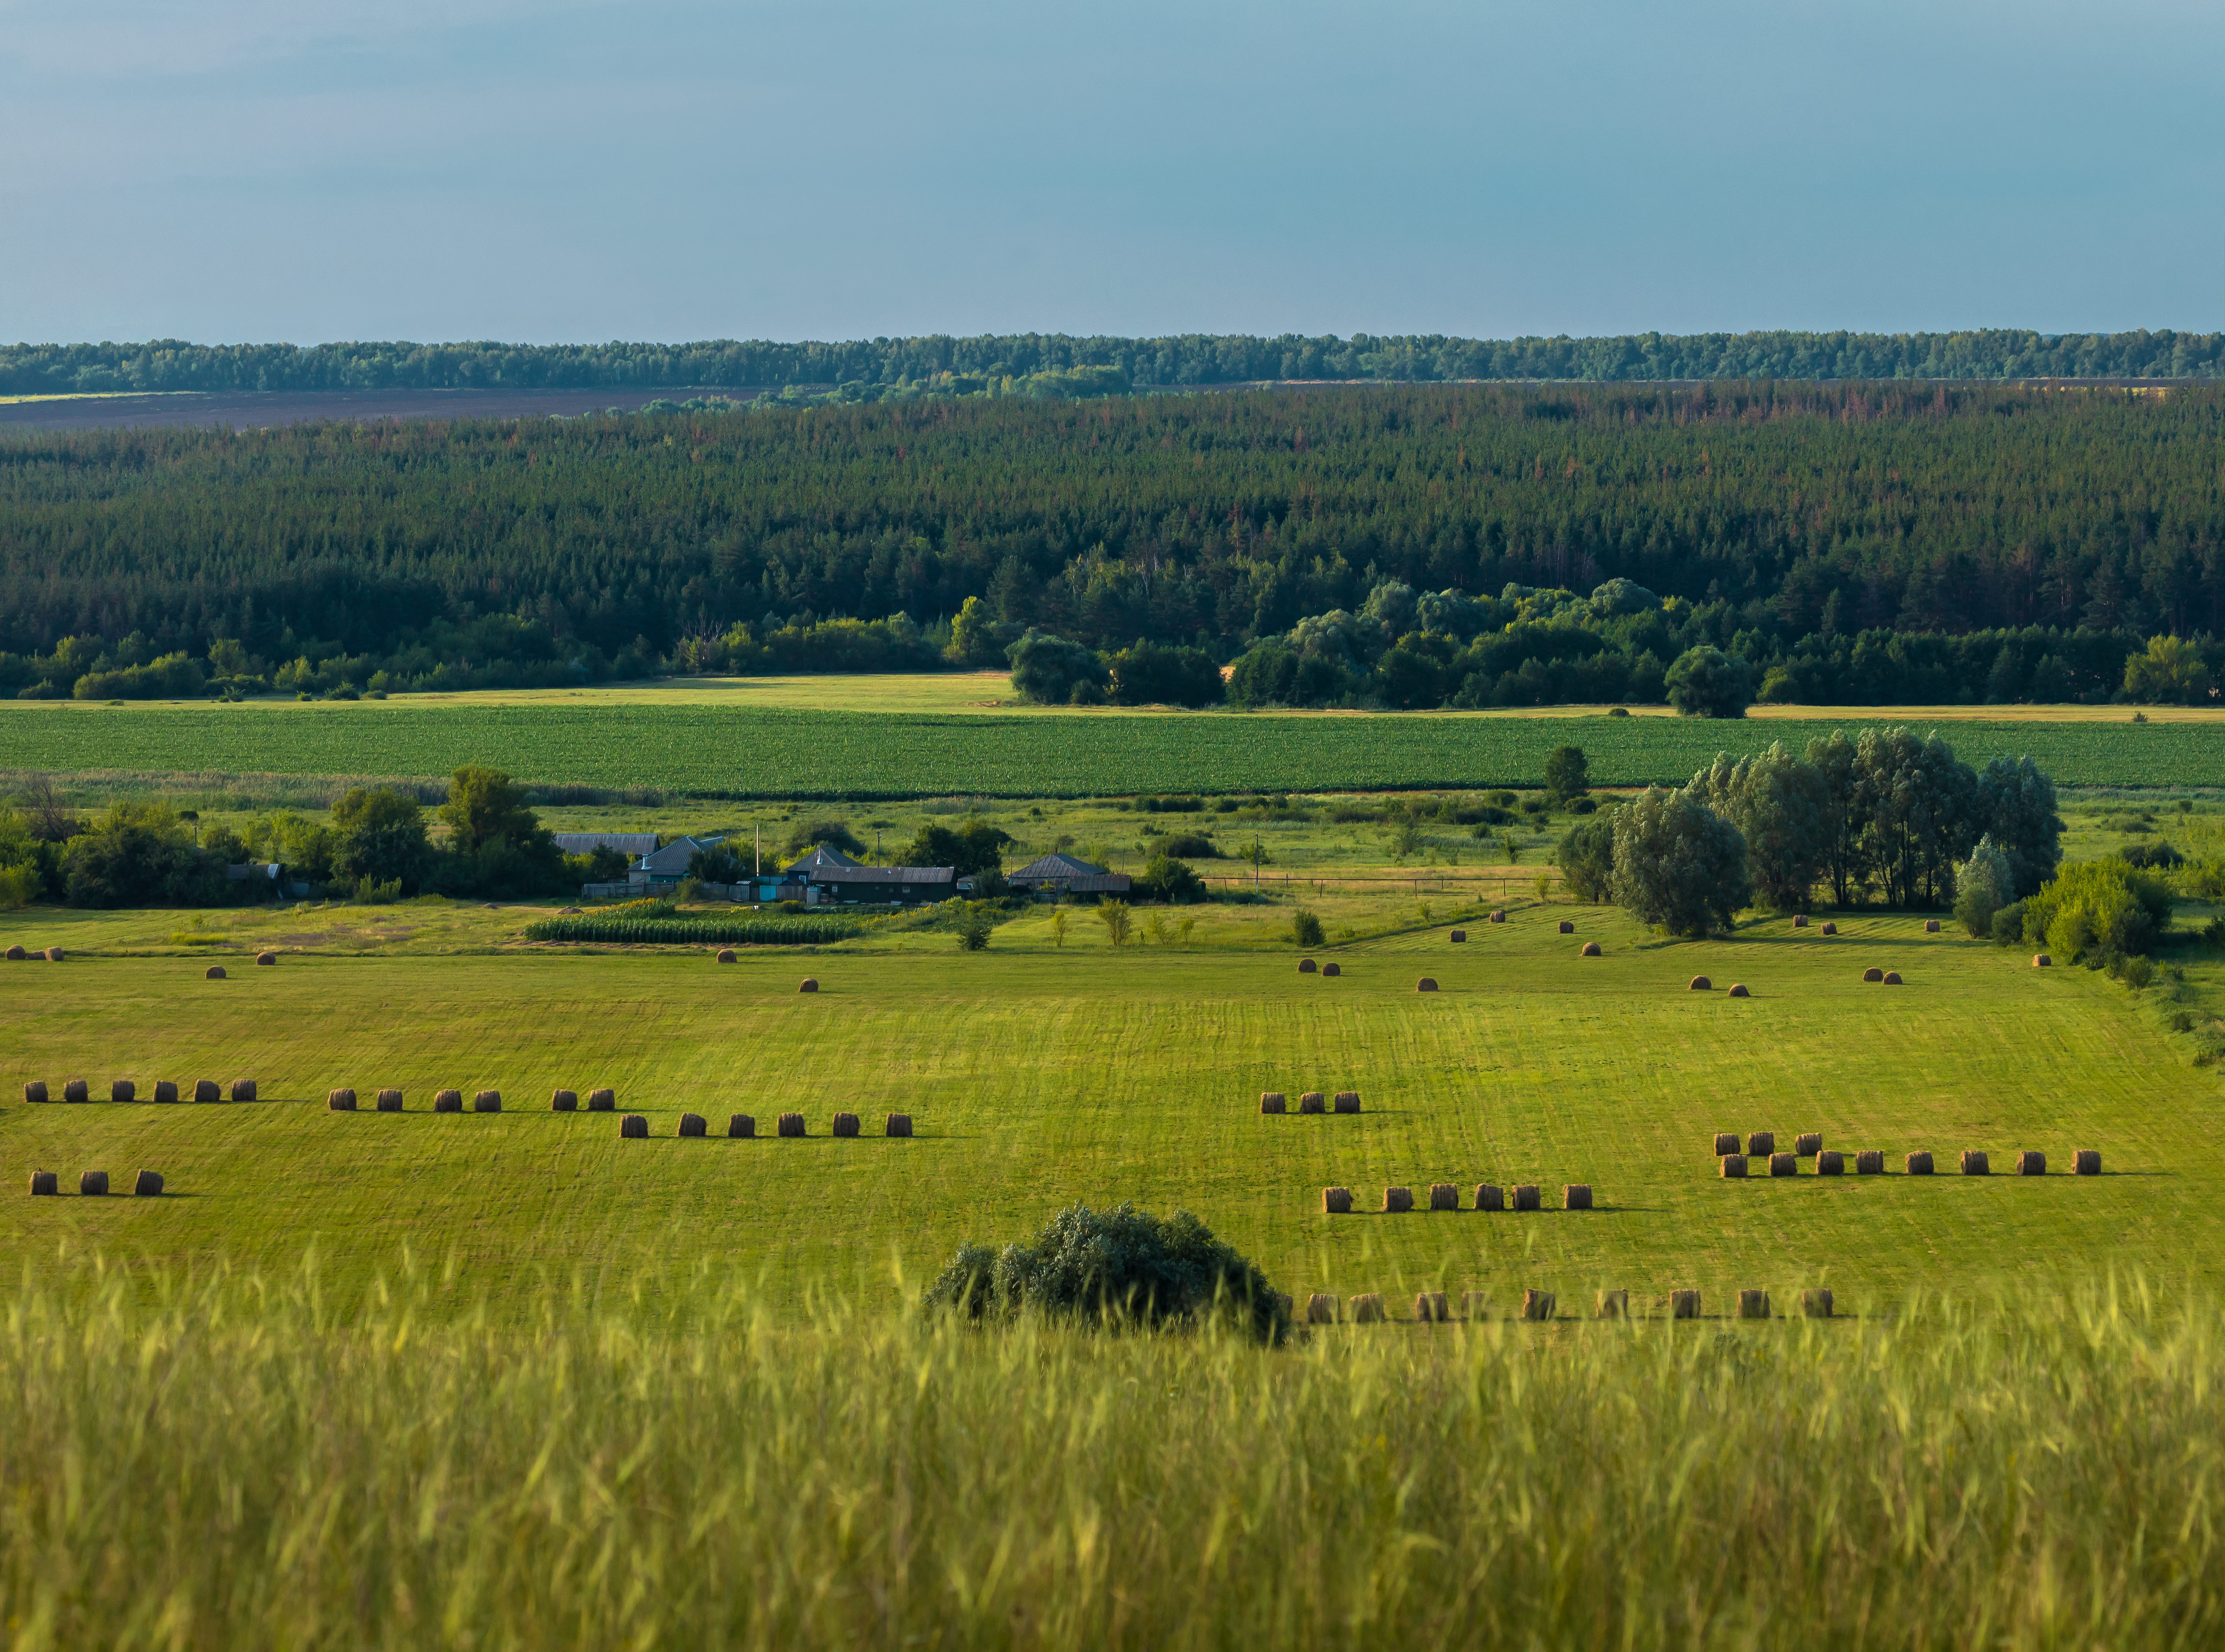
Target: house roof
[(1057, 866), (854, 873), (675, 856), (626, 843), (819, 859)]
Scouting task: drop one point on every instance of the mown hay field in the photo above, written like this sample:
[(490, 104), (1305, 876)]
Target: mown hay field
[(763, 752)]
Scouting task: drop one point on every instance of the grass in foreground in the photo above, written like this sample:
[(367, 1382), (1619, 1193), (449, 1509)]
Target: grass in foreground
[(228, 1466)]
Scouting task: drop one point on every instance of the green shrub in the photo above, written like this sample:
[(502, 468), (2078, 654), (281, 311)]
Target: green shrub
[(1166, 878), (2008, 924), (1586, 858), (1306, 928), (2098, 906), (1190, 845)]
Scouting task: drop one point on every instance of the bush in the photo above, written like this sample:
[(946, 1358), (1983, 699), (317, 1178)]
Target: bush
[(1191, 845), (1306, 928), (1116, 1269), (1047, 669), (1168, 879), (1586, 858), (2157, 856), (19, 887), (140, 854), (1568, 774), (807, 835), (1151, 673), (2099, 908), (2007, 924), (973, 929), (1707, 683)]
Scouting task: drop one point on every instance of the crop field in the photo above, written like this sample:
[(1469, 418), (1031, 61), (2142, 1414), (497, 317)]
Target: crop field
[(732, 751)]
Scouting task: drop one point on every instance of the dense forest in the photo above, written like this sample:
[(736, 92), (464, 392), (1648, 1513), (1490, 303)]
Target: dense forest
[(1102, 365), (1804, 526)]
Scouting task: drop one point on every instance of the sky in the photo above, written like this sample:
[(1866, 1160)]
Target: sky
[(305, 170)]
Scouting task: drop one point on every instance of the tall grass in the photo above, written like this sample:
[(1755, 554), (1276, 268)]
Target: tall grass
[(216, 1463)]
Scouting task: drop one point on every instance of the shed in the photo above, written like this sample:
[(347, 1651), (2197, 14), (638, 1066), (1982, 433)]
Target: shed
[(1060, 874)]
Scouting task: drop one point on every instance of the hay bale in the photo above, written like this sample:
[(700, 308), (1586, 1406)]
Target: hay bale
[(1313, 1102), (1753, 1305), (242, 1089), (93, 1183), (1589, 949), (1683, 1304), (1330, 971), (1368, 1309), (1444, 1196), (1525, 1196), (1475, 1305), (122, 1089), (1815, 1304), (390, 1101), (2087, 1163), (1892, 977), (54, 954), (339, 1101), (1489, 1197), (45, 1184), (1568, 928), (75, 1090), (726, 954), (1397, 1200), (2041, 960), (1761, 1143), (1612, 1305), (1458, 936), (448, 1101), (1732, 1167), (1497, 917), (1931, 926), (1974, 1163), (1272, 1101), (205, 1090), (16, 954), (1307, 966), (35, 1092), (899, 1124), (1576, 1196), (1336, 1201), (1426, 984), (1783, 1164), (791, 1123), (1917, 1164), (1321, 1308), (1808, 1143), (1725, 1142), (487, 1101), (148, 1184), (1800, 920), (1872, 975), (1347, 1101), (165, 1091), (845, 1125), (1737, 990), (1871, 1163), (266, 959), (1833, 1163), (602, 1101), (810, 985), (633, 1127), (1430, 1308), (2032, 1163), (742, 1127), (1700, 983), (693, 1124), (213, 972), (1830, 928), (564, 1101), (1537, 1304)]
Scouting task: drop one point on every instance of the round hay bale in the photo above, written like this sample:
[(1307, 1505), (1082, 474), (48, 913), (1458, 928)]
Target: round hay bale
[(1815, 1304), (726, 954), (791, 1123), (1313, 1102), (1347, 1101), (148, 1184), (45, 1184), (846, 1126), (899, 1124), (1700, 983), (1307, 966), (1489, 1197), (633, 1128), (1918, 1164), (1368, 1309), (1497, 917), (93, 1183), (2041, 960), (339, 1101), (206, 1090), (1612, 1305), (34, 1090), (165, 1091), (1725, 1142), (1800, 920), (810, 985), (1783, 1164), (1576, 1196), (1892, 977), (1974, 1163), (242, 1089), (487, 1101), (1526, 1197), (1831, 1162), (213, 972), (1761, 1143), (1683, 1304), (602, 1101), (2032, 1163), (1397, 1200), (75, 1090), (1873, 974), (1808, 1144), (1443, 1196), (567, 912), (1459, 936), (1272, 1101), (1336, 1201), (448, 1101), (564, 1101), (1589, 949), (1537, 1304), (266, 959), (1737, 990), (2087, 1163), (1732, 1167), (54, 954), (1753, 1305), (1426, 984), (1830, 928), (1567, 927), (1330, 970), (1429, 1308), (390, 1101), (1321, 1308), (1869, 1163), (742, 1127), (693, 1124), (122, 1089), (16, 954), (1931, 926)]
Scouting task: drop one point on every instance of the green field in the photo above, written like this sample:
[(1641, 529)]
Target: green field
[(743, 751)]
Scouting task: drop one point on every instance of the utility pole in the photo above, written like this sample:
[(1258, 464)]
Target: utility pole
[(1255, 862), (759, 826)]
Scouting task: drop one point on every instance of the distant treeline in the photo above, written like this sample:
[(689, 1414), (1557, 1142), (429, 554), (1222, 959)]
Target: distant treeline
[(1784, 522), (1194, 358)]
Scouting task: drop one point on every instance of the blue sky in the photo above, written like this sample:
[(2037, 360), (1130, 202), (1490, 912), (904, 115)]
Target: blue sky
[(566, 169)]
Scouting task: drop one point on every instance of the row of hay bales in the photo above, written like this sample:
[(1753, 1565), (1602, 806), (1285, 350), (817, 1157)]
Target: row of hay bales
[(1875, 977), (1975, 1161), (1700, 983), (743, 1126), (164, 1089), (216, 972), (47, 954), (1800, 921), (1435, 1307), (1446, 1196), (1329, 972), (1310, 1101), (93, 1183)]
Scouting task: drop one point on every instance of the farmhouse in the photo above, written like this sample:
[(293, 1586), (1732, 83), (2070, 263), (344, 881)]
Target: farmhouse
[(1057, 875), (830, 877), (669, 864), (631, 844)]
